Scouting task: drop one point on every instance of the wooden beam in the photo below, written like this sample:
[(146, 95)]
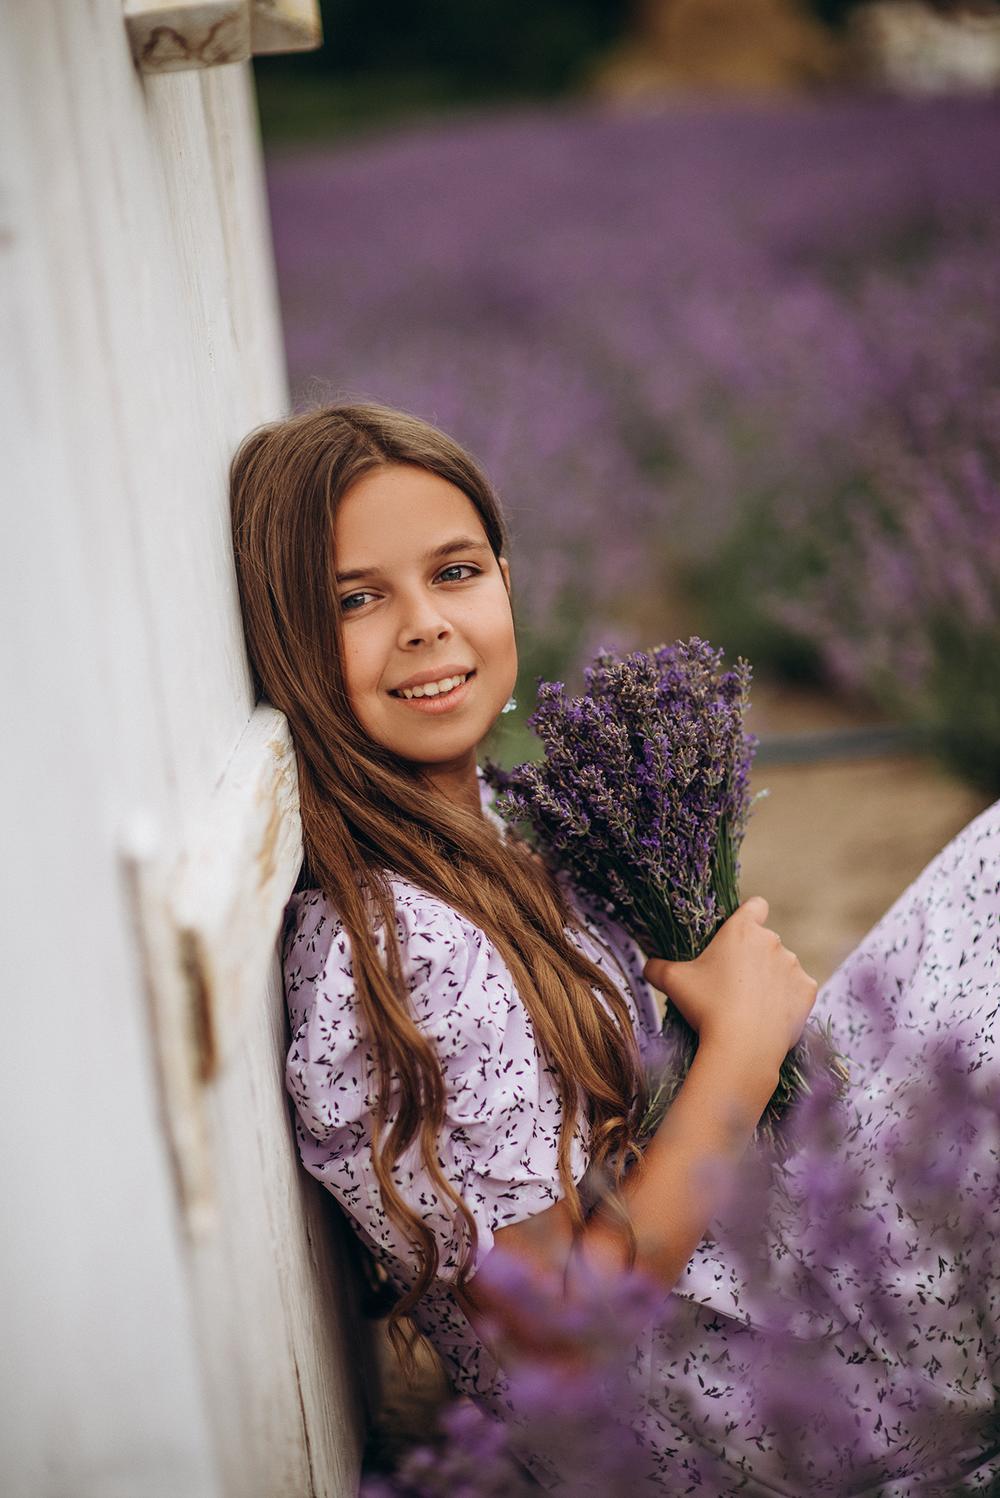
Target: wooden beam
[(233, 881), (208, 920), (170, 36), (285, 26)]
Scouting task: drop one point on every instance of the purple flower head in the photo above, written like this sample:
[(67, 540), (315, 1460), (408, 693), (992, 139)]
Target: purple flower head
[(643, 797)]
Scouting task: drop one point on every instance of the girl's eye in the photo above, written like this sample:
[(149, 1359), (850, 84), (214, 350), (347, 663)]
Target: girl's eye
[(458, 567), (345, 602)]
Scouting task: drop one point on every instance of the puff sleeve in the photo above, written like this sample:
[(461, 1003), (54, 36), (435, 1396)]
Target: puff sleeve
[(498, 1146)]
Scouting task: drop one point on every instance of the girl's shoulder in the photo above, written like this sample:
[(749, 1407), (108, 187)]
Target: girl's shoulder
[(461, 997), (313, 922), (429, 932), (461, 993)]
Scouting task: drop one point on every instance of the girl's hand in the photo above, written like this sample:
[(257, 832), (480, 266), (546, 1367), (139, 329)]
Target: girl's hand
[(745, 993), (749, 999)]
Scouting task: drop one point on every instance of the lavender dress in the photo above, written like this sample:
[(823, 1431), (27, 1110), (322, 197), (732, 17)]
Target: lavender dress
[(937, 950)]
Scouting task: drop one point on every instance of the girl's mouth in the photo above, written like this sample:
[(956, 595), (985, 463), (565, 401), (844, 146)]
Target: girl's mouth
[(444, 701)]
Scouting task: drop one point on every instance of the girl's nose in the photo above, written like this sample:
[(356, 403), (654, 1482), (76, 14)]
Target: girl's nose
[(423, 622)]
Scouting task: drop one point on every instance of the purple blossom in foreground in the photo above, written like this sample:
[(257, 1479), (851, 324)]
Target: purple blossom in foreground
[(573, 1424), (643, 797), (472, 1460), (811, 1389)]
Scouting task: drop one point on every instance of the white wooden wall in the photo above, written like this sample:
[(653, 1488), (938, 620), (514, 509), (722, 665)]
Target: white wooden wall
[(177, 1297)]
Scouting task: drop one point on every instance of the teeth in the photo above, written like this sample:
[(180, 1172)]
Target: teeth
[(433, 688)]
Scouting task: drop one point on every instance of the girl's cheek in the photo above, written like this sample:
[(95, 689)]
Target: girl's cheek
[(356, 673)]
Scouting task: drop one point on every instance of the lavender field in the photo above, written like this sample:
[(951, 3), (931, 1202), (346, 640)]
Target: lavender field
[(734, 367)]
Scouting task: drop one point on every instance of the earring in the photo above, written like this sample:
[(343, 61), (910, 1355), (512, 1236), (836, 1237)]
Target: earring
[(509, 705)]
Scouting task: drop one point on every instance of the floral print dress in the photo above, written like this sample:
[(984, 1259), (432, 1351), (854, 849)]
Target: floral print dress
[(928, 972)]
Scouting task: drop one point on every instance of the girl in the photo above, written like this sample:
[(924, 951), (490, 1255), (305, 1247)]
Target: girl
[(469, 1030)]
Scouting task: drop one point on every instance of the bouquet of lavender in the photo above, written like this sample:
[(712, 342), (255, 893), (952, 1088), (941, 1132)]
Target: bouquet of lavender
[(643, 796)]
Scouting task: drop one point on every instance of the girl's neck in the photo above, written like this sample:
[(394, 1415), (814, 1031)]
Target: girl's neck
[(458, 782)]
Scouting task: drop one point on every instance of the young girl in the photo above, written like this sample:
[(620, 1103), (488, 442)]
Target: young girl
[(468, 1029)]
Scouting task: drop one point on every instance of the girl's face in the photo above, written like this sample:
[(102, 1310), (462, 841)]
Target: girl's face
[(423, 599)]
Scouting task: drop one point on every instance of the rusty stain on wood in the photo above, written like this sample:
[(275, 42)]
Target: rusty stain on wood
[(174, 1038), (199, 994), (156, 49)]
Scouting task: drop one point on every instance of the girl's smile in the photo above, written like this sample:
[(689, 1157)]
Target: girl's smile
[(448, 693), (429, 653)]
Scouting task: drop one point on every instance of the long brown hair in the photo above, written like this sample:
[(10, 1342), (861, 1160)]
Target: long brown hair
[(366, 814)]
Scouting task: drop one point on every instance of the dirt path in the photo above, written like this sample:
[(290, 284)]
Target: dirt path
[(836, 842)]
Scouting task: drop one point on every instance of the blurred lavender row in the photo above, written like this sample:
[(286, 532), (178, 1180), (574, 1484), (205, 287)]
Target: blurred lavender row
[(749, 355)]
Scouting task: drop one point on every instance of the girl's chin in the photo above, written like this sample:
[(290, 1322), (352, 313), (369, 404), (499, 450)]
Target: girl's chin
[(435, 745)]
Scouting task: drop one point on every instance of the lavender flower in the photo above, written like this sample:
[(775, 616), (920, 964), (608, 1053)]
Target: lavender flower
[(643, 797), (472, 1459), (571, 1426)]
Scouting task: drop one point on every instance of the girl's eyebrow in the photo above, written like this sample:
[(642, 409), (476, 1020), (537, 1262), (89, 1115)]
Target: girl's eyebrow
[(446, 549)]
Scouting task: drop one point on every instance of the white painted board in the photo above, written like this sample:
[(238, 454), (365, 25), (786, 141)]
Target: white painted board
[(180, 1316)]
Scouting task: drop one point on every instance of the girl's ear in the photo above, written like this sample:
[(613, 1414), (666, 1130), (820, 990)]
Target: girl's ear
[(504, 566)]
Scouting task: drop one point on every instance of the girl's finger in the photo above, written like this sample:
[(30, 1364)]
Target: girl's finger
[(656, 971), (756, 908)]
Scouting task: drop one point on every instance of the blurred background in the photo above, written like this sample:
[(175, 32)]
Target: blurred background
[(710, 287)]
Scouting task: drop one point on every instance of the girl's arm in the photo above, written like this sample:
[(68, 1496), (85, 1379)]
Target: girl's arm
[(748, 998)]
